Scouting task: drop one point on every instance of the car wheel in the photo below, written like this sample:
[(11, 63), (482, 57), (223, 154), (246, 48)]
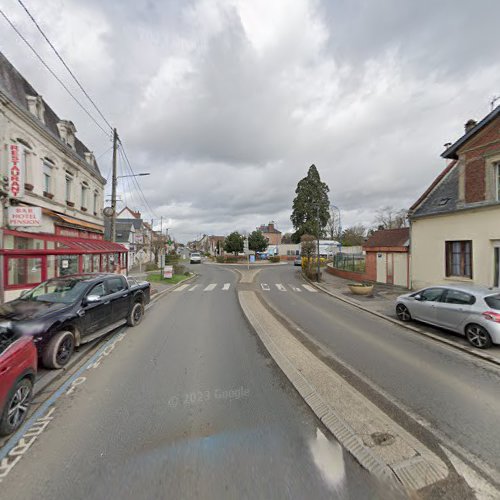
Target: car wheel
[(403, 313), (59, 350), (16, 407), (136, 314), (478, 336)]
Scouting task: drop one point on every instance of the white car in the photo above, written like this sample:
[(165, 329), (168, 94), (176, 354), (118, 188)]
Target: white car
[(195, 258)]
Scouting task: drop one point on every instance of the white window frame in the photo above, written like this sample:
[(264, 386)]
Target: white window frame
[(84, 195), (48, 177), (96, 199), (69, 187), (497, 179)]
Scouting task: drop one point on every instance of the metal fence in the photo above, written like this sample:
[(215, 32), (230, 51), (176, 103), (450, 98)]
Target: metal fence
[(353, 262)]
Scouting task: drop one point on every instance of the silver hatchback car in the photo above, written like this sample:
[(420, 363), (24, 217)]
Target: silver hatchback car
[(470, 310)]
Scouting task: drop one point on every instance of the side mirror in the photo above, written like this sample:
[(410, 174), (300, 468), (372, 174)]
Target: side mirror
[(91, 299), (24, 293), (418, 297)]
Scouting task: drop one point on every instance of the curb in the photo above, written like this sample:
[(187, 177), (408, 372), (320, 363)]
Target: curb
[(466, 349)]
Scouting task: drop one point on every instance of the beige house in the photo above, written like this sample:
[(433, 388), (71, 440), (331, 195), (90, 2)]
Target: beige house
[(455, 225)]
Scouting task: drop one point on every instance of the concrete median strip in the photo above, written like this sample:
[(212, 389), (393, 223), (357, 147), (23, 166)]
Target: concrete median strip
[(374, 439)]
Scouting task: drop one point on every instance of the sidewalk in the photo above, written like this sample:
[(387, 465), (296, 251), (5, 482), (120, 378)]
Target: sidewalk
[(383, 303)]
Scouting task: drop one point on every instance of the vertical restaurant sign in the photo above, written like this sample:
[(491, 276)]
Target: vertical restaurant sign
[(16, 171)]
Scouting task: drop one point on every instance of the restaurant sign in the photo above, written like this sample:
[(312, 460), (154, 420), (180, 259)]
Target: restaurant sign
[(16, 171), (24, 216)]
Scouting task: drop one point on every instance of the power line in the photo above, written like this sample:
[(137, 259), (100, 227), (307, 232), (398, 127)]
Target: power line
[(64, 63), (123, 152), (12, 25)]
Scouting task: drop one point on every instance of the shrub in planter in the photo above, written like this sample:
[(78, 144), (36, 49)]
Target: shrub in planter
[(187, 273), (231, 258), (274, 258), (220, 259)]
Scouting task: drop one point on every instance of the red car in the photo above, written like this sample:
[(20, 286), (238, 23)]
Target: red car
[(18, 365)]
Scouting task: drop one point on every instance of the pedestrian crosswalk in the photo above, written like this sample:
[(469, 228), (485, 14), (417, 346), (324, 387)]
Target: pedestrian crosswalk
[(266, 287), (282, 288)]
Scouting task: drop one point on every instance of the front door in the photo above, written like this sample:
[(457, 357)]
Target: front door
[(390, 269), (97, 315)]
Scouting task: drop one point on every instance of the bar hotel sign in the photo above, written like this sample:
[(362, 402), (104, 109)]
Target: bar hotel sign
[(16, 171), (24, 216)]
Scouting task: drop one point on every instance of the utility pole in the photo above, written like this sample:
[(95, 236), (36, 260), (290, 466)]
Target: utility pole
[(317, 255), (113, 187)]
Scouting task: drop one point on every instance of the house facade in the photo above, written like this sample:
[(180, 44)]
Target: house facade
[(455, 224), (52, 193), (271, 233)]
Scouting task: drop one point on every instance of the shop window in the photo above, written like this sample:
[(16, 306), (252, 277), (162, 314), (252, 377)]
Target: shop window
[(21, 243), (8, 242), (24, 271), (67, 264), (96, 263), (51, 245), (51, 266), (87, 263)]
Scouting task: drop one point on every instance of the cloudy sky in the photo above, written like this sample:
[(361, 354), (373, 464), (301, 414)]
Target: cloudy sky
[(228, 102)]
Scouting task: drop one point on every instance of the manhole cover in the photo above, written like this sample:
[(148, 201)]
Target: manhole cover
[(383, 438)]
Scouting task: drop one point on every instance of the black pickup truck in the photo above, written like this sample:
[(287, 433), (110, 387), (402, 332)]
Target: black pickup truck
[(62, 313)]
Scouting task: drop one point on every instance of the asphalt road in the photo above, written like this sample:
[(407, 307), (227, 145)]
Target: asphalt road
[(187, 405), (456, 394)]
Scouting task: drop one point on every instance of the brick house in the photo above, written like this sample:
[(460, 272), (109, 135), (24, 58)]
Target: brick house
[(455, 224), (271, 233)]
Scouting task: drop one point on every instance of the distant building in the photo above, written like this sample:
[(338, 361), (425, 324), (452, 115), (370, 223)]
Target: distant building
[(271, 233)]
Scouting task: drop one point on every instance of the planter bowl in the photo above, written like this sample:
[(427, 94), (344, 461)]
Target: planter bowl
[(360, 289)]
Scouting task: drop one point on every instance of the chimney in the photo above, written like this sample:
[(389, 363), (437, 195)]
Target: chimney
[(271, 227), (470, 124)]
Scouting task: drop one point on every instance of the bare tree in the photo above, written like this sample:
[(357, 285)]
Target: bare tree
[(354, 235), (333, 228), (391, 218)]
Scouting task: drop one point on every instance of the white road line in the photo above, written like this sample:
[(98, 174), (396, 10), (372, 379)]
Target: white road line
[(226, 286), (280, 287), (265, 287), (210, 287), (310, 288), (193, 288), (294, 288), (181, 288)]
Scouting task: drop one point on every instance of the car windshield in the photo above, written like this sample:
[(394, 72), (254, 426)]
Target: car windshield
[(493, 301), (60, 290)]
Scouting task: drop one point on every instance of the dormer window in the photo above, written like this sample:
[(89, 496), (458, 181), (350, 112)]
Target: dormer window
[(90, 158), (36, 106), (67, 131)]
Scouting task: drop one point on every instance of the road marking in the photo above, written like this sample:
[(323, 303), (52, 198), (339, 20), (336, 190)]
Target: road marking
[(280, 287), (265, 287), (193, 287), (181, 288), (226, 286), (294, 288), (210, 287), (309, 288)]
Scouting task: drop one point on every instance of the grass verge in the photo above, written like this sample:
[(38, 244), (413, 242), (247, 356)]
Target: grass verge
[(156, 277)]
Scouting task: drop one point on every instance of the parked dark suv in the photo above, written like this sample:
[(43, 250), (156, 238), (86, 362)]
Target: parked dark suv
[(62, 313)]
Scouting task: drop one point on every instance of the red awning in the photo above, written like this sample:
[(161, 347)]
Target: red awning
[(88, 245)]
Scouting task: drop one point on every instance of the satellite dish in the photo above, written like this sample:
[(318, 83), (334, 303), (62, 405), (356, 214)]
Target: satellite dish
[(108, 212)]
